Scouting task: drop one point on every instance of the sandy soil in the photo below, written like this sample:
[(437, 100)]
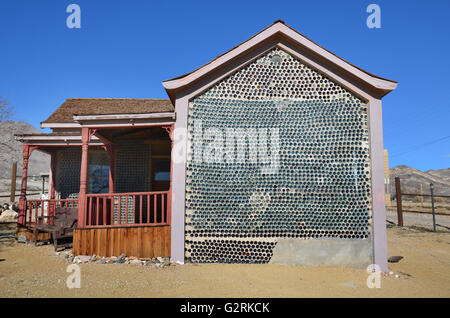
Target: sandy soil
[(29, 271)]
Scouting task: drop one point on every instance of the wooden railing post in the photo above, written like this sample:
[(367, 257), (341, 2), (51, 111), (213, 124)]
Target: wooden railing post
[(398, 195)]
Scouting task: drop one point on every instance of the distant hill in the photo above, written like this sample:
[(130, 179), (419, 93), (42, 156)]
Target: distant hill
[(11, 150), (411, 179)]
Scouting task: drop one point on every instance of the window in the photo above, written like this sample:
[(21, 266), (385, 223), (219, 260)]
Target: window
[(98, 172)]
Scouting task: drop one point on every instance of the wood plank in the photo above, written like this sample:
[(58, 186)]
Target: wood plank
[(167, 240), (102, 243), (133, 241), (116, 242), (110, 240), (140, 244), (158, 238), (146, 242), (76, 241), (83, 238)]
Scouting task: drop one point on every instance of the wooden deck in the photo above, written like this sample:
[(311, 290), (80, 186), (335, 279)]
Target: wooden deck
[(28, 233), (142, 241)]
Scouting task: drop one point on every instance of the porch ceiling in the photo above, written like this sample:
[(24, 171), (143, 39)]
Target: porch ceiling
[(128, 133)]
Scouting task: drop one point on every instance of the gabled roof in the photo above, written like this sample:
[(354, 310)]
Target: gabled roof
[(278, 28), (105, 106)]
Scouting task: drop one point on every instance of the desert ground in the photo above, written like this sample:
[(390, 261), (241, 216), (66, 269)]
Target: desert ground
[(36, 271)]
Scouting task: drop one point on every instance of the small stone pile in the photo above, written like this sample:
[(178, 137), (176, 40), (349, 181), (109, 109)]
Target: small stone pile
[(8, 213), (159, 262)]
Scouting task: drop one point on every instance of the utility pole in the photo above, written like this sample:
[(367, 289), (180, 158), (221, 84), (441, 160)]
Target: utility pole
[(398, 195), (432, 206), (12, 198)]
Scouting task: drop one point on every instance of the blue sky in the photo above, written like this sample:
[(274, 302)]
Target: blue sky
[(124, 49)]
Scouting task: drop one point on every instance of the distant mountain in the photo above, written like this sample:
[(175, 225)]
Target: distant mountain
[(411, 179), (11, 150)]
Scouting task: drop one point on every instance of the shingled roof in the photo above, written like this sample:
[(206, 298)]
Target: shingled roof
[(106, 106)]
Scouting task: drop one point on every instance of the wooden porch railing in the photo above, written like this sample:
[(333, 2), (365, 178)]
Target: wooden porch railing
[(44, 207), (127, 209)]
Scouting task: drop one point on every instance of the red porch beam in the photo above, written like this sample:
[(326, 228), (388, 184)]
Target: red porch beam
[(102, 138)]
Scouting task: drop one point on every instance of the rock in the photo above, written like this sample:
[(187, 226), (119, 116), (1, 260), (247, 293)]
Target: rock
[(93, 258), (22, 239), (123, 256), (394, 259), (135, 262), (8, 216), (102, 261), (81, 259)]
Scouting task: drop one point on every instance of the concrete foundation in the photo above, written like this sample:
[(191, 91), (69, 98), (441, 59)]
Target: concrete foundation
[(323, 252)]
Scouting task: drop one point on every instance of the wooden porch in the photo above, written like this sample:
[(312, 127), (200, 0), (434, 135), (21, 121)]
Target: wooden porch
[(110, 223)]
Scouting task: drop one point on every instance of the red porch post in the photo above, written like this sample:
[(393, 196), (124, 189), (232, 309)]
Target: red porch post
[(85, 134), (26, 152)]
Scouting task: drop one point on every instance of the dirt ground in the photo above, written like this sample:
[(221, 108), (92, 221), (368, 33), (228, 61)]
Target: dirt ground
[(28, 271)]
